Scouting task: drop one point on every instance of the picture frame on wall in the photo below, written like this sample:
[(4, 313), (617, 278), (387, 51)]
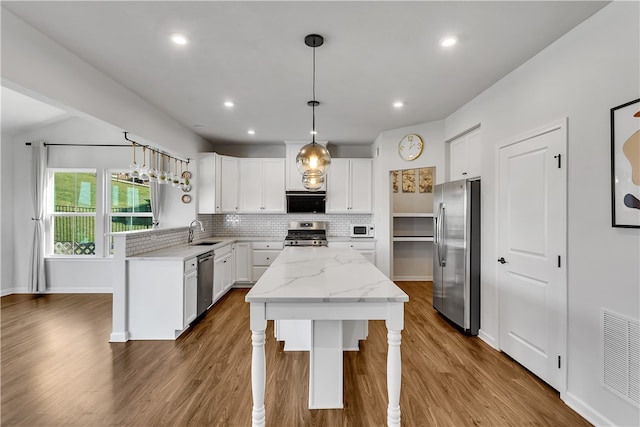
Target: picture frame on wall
[(625, 165)]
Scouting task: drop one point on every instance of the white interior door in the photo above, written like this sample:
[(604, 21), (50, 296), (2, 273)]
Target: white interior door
[(532, 248)]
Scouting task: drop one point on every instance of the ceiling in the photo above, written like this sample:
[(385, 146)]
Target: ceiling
[(253, 53), (21, 113)]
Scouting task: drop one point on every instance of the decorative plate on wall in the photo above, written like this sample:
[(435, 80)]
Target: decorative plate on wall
[(186, 198)]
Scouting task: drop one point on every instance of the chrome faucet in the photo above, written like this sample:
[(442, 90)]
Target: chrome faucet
[(195, 221)]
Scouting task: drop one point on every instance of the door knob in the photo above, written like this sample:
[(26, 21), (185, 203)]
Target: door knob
[(501, 260)]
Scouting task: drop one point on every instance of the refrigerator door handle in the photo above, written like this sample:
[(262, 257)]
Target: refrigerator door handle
[(442, 253), (436, 235)]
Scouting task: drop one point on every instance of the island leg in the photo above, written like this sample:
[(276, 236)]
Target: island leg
[(258, 365), (394, 323)]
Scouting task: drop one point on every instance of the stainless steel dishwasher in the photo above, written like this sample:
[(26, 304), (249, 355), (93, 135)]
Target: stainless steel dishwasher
[(205, 281)]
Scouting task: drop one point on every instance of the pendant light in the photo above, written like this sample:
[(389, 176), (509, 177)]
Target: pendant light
[(313, 160)]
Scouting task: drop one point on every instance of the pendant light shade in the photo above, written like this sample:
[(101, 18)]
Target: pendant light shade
[(313, 160)]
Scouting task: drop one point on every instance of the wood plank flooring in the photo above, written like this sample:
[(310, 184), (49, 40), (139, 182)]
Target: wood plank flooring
[(58, 369)]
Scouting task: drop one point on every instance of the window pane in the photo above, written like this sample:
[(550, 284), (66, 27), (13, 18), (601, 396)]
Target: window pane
[(130, 223), (129, 195), (74, 192), (74, 235)]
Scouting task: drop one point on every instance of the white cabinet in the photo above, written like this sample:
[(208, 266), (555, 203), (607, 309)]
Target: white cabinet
[(206, 183), (366, 248), (160, 297), (349, 187), (465, 156), (217, 183), (190, 290), (226, 184), (262, 185), (222, 271), (263, 254), (243, 262)]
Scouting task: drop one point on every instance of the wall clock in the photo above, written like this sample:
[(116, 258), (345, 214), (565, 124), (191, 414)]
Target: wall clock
[(410, 147)]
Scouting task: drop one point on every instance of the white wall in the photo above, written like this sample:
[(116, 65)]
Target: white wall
[(385, 159), (581, 76), (6, 215), (37, 66), (70, 275), (34, 64)]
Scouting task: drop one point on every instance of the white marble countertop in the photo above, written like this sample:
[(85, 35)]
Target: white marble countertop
[(324, 274)]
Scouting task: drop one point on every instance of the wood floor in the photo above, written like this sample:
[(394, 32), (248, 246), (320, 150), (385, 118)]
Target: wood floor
[(58, 369)]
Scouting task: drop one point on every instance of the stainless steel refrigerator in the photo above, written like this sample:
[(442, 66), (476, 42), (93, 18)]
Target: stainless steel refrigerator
[(456, 260)]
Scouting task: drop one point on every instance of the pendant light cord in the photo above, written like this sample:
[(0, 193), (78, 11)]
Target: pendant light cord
[(313, 106)]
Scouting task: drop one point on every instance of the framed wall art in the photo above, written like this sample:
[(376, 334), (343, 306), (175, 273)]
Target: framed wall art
[(625, 165)]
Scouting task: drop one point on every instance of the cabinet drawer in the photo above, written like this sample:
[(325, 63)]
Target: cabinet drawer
[(264, 258), (268, 245), (359, 246), (222, 251), (190, 265)]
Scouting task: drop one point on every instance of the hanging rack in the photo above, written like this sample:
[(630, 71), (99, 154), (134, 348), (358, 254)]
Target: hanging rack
[(153, 150)]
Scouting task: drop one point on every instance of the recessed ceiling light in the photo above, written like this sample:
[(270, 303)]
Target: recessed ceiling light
[(398, 104), (448, 41), (180, 39), (229, 104), (251, 132)]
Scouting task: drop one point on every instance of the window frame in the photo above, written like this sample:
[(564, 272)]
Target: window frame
[(108, 215), (50, 214)]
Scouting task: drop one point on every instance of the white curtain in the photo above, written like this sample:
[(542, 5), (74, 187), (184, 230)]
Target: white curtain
[(156, 202), (37, 278)]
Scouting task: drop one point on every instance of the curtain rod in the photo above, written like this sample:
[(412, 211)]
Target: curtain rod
[(83, 145), (115, 145)]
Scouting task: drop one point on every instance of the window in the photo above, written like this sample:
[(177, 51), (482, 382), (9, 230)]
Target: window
[(73, 214), (130, 203)]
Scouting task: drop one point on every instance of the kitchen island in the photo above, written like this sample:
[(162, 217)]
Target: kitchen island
[(327, 286)]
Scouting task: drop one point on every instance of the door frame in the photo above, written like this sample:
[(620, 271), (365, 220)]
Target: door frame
[(562, 126)]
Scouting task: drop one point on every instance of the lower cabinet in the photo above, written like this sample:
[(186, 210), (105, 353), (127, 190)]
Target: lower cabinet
[(263, 254), (161, 296), (190, 290), (222, 271), (242, 262), (366, 248)]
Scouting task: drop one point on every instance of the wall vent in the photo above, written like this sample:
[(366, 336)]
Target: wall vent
[(621, 361)]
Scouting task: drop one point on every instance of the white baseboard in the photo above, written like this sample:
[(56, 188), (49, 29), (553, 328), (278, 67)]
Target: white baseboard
[(412, 278), (586, 411), (488, 339), (83, 290), (119, 337)]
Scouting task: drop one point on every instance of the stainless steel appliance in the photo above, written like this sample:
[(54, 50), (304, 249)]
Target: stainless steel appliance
[(362, 230), (306, 233), (306, 201), (205, 282), (456, 261)]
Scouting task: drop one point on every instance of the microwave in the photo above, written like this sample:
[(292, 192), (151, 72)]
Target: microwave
[(306, 201), (362, 230)]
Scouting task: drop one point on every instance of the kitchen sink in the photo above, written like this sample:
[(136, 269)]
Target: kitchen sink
[(204, 243)]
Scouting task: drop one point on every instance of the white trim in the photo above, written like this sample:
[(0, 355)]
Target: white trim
[(562, 126), (488, 339), (585, 410), (412, 278)]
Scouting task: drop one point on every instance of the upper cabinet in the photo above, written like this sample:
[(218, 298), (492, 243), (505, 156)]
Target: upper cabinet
[(262, 185), (465, 156), (293, 176), (349, 187), (213, 170)]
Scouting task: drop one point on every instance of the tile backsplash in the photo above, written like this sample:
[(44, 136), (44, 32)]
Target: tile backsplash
[(239, 225), (247, 225)]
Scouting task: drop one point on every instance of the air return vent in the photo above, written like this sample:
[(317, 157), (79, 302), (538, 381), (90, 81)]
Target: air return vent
[(621, 373)]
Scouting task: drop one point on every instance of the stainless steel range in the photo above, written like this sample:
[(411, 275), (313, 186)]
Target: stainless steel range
[(306, 233)]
